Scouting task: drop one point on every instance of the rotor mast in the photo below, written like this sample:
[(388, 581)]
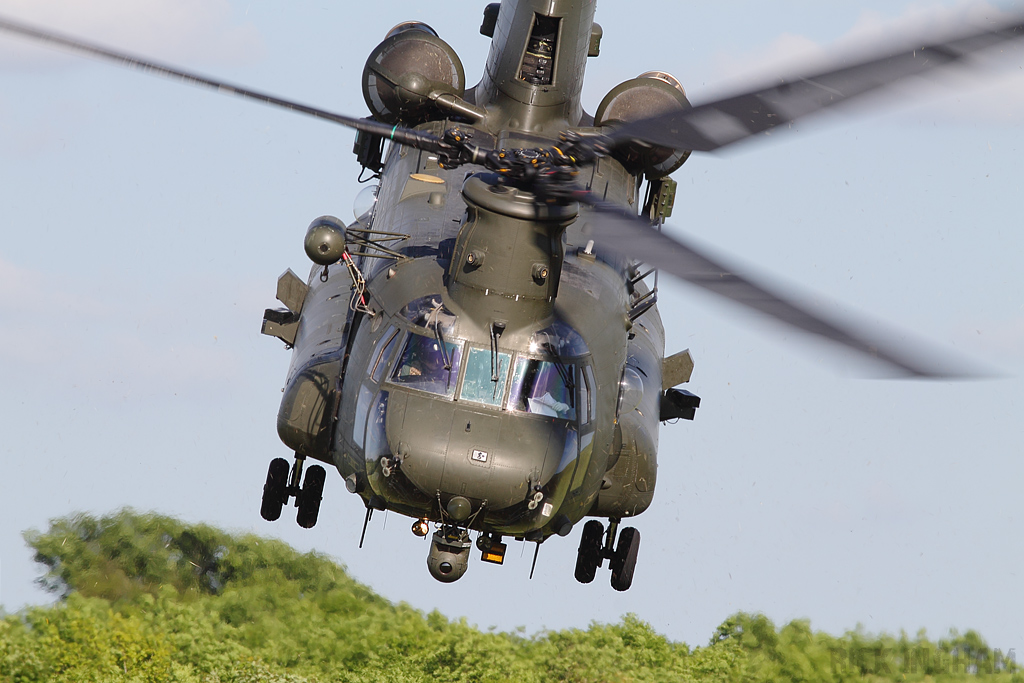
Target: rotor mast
[(508, 254), (534, 73)]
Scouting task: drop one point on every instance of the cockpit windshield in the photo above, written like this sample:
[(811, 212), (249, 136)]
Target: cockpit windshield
[(543, 388), (422, 365), (485, 377), (558, 340)]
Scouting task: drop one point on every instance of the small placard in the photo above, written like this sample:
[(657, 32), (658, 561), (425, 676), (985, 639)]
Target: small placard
[(480, 456)]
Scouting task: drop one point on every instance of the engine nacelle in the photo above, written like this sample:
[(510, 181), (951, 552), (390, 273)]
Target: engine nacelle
[(404, 71), (647, 95)]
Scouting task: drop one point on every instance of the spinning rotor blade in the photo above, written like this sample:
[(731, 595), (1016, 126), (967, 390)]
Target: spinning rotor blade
[(616, 229), (403, 136), (716, 124)]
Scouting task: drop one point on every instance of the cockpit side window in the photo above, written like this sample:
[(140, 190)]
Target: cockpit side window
[(387, 341), (543, 388), (422, 365), (584, 398), (483, 383), (592, 386)]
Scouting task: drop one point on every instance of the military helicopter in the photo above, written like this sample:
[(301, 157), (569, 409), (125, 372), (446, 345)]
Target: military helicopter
[(481, 349)]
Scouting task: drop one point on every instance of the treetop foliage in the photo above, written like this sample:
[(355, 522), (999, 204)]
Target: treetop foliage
[(147, 598)]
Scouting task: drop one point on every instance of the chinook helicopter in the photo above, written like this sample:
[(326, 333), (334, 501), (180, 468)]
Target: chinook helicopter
[(481, 350)]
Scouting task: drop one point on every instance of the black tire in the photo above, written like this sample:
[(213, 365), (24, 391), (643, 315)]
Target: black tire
[(588, 557), (624, 561), (274, 495), (310, 497)]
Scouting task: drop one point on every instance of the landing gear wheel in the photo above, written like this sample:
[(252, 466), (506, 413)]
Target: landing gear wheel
[(623, 562), (588, 557), (310, 497), (275, 490)]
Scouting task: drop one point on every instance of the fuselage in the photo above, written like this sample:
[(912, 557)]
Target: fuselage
[(494, 379), (409, 438)]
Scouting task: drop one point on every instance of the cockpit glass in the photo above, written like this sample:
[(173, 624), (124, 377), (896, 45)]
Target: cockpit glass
[(543, 388), (559, 340), (422, 365), (485, 377), (387, 341), (429, 311)]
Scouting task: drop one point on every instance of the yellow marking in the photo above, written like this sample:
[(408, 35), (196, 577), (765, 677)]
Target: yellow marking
[(495, 554), (423, 177)]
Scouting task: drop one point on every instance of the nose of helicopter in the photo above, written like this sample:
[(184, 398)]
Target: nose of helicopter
[(480, 455)]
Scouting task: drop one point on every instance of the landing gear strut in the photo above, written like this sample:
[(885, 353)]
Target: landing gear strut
[(596, 546), (283, 483)]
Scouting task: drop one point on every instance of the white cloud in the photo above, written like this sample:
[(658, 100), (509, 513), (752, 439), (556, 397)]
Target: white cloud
[(196, 31), (992, 93)]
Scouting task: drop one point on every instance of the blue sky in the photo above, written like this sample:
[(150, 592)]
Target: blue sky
[(143, 225)]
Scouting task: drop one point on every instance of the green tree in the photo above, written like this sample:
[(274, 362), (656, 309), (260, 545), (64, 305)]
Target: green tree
[(146, 598)]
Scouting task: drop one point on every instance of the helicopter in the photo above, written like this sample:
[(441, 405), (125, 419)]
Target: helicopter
[(503, 279)]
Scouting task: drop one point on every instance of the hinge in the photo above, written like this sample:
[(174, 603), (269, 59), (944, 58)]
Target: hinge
[(280, 323)]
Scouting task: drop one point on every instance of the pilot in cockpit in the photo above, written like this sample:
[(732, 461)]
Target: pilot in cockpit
[(544, 392), (424, 363), (423, 366), (547, 405)]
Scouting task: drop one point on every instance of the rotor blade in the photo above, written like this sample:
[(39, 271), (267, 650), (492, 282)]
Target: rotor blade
[(405, 136), (618, 230), (716, 124)]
